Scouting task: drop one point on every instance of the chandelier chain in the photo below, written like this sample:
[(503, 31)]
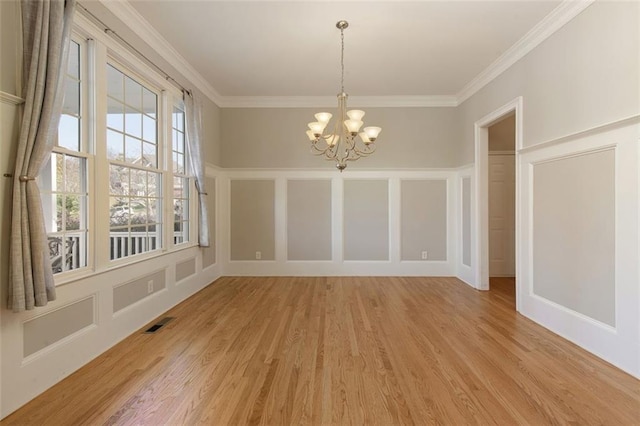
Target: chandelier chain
[(342, 60)]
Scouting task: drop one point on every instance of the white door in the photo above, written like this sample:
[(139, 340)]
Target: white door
[(502, 214)]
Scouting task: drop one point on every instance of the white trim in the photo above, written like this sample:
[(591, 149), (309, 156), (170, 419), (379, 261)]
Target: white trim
[(9, 99), (480, 205), (132, 19), (330, 101), (463, 271), (561, 15), (569, 311), (331, 172), (634, 119)]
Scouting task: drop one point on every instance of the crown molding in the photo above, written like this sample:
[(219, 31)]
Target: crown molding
[(8, 98), (561, 15), (143, 29), (330, 101)]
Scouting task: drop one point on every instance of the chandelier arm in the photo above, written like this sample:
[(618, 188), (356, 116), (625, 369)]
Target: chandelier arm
[(356, 153), (371, 148), (318, 151), (354, 158)]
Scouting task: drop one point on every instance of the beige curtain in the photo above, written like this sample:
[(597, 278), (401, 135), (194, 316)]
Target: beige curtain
[(193, 117), (46, 26)]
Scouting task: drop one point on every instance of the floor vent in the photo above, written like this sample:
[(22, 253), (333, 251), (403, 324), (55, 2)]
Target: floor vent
[(157, 326)]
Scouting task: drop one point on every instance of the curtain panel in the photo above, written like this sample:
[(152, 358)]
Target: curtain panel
[(193, 116), (46, 27)]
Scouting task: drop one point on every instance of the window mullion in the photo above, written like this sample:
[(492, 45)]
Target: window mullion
[(167, 165), (101, 167)]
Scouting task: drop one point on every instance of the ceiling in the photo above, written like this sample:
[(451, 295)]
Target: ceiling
[(292, 48)]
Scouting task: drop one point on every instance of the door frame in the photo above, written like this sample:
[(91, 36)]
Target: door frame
[(481, 204)]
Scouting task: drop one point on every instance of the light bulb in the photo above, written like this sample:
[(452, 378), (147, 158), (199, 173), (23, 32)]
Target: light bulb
[(317, 128), (353, 126), (355, 114), (323, 117), (372, 132), (365, 138)]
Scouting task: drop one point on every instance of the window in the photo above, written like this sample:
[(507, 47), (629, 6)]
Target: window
[(118, 170), (181, 182), (135, 195), (63, 181)]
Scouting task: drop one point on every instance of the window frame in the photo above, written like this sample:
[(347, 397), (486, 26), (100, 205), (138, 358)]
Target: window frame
[(188, 175), (160, 153), (86, 152), (96, 51)]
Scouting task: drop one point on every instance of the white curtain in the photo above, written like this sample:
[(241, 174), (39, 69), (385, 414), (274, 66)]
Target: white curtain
[(46, 26), (193, 117)]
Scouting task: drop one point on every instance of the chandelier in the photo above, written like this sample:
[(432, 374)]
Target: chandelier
[(342, 144)]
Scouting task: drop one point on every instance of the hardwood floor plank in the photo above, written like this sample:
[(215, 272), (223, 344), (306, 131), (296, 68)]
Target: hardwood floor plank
[(342, 350)]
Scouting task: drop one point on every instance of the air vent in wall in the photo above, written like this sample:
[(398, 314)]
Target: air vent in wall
[(157, 326)]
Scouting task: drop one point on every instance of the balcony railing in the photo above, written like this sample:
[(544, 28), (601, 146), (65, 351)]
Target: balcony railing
[(121, 244)]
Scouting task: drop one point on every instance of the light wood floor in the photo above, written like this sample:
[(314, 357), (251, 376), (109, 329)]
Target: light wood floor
[(343, 351)]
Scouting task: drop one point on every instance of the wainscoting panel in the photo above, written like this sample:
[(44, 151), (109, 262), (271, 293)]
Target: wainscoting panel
[(423, 221), (47, 329), (185, 269), (574, 233), (252, 219), (366, 219), (308, 219), (134, 291), (579, 240)]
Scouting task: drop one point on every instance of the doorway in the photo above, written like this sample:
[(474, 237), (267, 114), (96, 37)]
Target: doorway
[(496, 240), (502, 198), (502, 208)]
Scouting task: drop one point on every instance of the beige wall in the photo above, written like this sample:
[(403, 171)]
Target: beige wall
[(9, 41), (211, 131), (275, 138), (9, 117), (584, 75)]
